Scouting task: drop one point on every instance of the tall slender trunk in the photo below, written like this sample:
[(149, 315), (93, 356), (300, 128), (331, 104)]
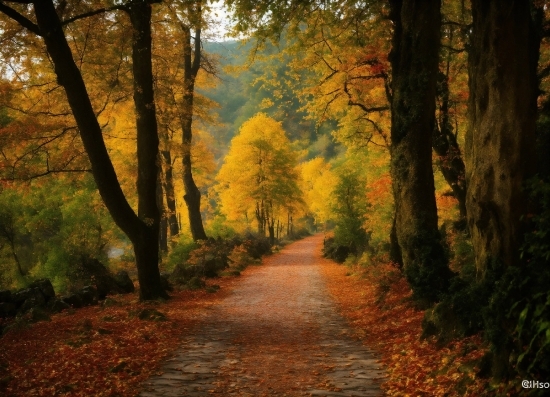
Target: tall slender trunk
[(191, 65), (414, 60), (142, 229), (170, 194), (500, 143), (163, 228)]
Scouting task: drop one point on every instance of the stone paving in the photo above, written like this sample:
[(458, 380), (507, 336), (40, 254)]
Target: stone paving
[(277, 334)]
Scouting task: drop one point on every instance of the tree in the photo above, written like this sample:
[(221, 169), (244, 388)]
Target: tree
[(191, 64), (500, 157), (259, 177), (318, 182), (350, 208), (414, 59), (178, 72), (142, 228), (500, 141)]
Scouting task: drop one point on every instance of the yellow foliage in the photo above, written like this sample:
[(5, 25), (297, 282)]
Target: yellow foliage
[(318, 182), (260, 171)]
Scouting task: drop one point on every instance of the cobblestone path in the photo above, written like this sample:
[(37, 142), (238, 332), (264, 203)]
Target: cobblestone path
[(277, 334)]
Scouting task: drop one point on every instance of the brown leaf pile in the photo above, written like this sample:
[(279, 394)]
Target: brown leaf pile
[(99, 351), (392, 326)]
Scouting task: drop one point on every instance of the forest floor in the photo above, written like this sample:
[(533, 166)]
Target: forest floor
[(298, 325)]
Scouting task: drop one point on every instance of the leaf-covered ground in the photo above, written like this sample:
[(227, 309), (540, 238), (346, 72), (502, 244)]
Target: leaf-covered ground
[(377, 304), (109, 351), (99, 351)]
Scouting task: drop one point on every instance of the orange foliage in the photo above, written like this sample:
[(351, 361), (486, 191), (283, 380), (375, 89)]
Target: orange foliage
[(98, 351), (392, 327)]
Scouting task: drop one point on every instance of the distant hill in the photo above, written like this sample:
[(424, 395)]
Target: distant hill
[(240, 96)]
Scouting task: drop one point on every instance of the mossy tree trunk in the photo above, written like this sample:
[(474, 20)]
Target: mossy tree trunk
[(414, 60), (500, 142)]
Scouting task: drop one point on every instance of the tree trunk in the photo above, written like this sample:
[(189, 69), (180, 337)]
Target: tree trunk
[(192, 195), (445, 145), (500, 143), (147, 150), (143, 229), (395, 249), (170, 194), (163, 228), (414, 60)]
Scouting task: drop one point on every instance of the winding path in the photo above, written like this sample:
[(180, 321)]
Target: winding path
[(278, 334)]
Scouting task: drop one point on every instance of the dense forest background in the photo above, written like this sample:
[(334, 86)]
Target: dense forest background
[(412, 133)]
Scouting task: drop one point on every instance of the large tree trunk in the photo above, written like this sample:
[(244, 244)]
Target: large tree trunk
[(500, 143), (414, 59), (192, 195), (143, 229)]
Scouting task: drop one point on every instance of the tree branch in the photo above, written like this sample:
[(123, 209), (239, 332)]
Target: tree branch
[(19, 18), (94, 12)]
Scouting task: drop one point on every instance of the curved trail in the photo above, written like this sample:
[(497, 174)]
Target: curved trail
[(278, 334)]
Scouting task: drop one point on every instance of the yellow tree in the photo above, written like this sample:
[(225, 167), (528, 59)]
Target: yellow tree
[(318, 182), (259, 177)]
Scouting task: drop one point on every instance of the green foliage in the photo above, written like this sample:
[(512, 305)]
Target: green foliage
[(263, 84), (523, 294), (179, 253), (53, 230), (511, 305), (350, 207), (429, 274), (218, 227)]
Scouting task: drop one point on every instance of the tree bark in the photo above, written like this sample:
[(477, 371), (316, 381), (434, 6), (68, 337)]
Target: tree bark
[(163, 227), (170, 194), (445, 145), (192, 195), (500, 143), (142, 230), (414, 60)]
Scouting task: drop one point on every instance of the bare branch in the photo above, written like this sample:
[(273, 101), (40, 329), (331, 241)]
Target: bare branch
[(93, 13)]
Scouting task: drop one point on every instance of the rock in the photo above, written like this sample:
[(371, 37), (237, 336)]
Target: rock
[(74, 300), (109, 302), (32, 302), (7, 309), (183, 274), (5, 296), (123, 281), (27, 293), (165, 282), (45, 287), (151, 315), (195, 283), (57, 305), (213, 288), (38, 314), (88, 295)]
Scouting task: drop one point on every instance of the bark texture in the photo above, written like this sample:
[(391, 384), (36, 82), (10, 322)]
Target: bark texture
[(445, 145), (140, 229), (172, 218), (500, 143), (414, 60), (192, 195)]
